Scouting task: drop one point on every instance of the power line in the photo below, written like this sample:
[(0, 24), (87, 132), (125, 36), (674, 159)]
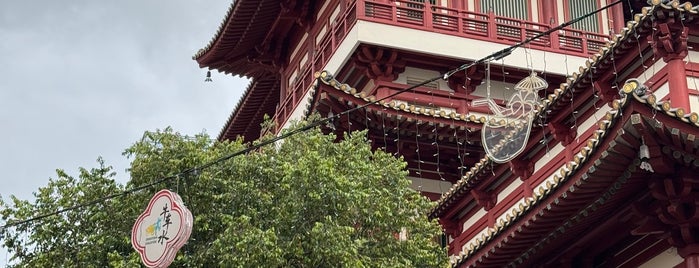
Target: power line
[(494, 56)]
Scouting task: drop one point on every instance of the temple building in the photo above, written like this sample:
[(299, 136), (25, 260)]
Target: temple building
[(579, 148)]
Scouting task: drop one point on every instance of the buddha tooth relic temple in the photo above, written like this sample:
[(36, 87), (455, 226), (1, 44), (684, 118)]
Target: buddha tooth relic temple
[(580, 148)]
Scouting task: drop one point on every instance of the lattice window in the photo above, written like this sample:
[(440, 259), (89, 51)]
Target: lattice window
[(411, 81), (579, 8), (419, 4), (517, 9)]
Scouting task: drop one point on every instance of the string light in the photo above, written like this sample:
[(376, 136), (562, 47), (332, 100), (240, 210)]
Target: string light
[(493, 56)]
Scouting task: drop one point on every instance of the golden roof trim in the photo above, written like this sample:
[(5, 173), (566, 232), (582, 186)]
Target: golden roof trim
[(559, 177), (571, 81), (326, 78)]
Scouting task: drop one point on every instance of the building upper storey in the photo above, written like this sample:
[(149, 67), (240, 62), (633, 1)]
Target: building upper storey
[(285, 42)]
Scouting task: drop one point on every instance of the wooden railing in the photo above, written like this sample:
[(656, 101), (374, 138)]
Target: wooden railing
[(319, 56), (424, 16), (474, 25)]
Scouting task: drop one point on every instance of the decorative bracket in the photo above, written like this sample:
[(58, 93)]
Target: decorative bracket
[(451, 228), (563, 133), (467, 81), (380, 64), (485, 199), (674, 212), (522, 169), (670, 41), (605, 92)]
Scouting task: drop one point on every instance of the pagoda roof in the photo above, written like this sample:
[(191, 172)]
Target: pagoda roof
[(397, 108), (598, 172), (246, 119), (590, 165), (560, 101), (245, 26)]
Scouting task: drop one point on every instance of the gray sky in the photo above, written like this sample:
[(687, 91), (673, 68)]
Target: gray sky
[(81, 79)]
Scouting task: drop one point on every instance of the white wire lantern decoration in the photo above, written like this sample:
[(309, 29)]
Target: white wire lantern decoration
[(506, 132)]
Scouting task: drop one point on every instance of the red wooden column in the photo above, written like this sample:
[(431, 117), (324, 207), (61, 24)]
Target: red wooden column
[(670, 42), (617, 15)]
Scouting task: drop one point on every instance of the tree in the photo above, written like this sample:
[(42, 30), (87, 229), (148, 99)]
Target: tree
[(309, 201)]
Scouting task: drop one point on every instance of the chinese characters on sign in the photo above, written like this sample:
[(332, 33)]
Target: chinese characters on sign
[(162, 229)]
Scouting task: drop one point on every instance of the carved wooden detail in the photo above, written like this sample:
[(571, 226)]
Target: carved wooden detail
[(673, 212), (380, 63), (271, 54), (300, 10), (605, 91), (467, 81), (522, 168), (451, 228), (485, 199), (562, 133), (670, 39)]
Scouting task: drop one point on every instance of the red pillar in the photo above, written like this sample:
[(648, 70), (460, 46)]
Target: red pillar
[(677, 80), (691, 261), (548, 11), (617, 14), (670, 42)]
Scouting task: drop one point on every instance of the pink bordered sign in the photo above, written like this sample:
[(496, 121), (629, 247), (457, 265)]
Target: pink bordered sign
[(162, 229)]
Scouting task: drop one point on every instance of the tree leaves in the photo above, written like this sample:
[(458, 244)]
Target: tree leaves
[(307, 201)]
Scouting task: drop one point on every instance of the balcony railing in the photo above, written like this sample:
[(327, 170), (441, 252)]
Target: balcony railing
[(433, 18), (474, 25)]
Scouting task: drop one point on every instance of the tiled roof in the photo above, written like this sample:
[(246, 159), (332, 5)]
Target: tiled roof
[(248, 114), (592, 144), (570, 168), (245, 27), (576, 82), (218, 33), (328, 79)]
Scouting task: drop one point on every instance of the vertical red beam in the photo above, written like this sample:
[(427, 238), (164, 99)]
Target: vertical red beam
[(617, 13), (677, 80), (427, 15), (492, 26), (360, 7), (548, 11), (691, 261)]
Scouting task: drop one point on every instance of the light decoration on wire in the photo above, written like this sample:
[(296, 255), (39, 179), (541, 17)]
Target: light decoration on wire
[(505, 134)]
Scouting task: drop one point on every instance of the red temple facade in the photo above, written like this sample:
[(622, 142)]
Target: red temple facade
[(608, 173)]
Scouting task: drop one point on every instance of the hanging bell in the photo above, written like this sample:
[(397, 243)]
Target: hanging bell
[(644, 152), (208, 77), (644, 155), (331, 121)]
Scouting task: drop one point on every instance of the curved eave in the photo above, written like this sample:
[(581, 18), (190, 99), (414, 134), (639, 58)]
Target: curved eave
[(578, 82), (260, 98), (244, 27), (590, 166), (350, 94)]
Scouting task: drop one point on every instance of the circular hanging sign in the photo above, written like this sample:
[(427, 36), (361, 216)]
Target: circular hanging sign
[(162, 229)]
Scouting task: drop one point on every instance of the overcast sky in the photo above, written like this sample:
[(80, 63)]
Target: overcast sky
[(81, 79)]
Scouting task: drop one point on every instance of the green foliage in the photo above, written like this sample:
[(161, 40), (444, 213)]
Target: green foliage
[(308, 201)]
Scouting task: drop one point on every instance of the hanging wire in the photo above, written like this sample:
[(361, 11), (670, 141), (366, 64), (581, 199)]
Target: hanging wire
[(419, 159), (689, 55), (508, 50), (493, 56), (397, 139), (383, 128)]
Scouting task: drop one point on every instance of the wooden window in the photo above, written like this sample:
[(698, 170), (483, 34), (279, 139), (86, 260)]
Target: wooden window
[(516, 9), (579, 8), (419, 4)]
